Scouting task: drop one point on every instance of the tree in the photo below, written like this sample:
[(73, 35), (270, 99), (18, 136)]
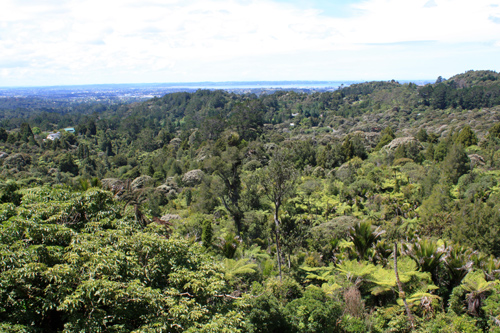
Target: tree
[(103, 273), (91, 128), (455, 164), (364, 238), (3, 135), (440, 150), (427, 257), (228, 168), (466, 137), (278, 180), (265, 315), (494, 131), (422, 135), (36, 130), (314, 312), (8, 192), (440, 96), (347, 149), (400, 286), (25, 132), (207, 233), (353, 146), (429, 152), (478, 289), (67, 164), (434, 212), (457, 260), (386, 136), (247, 118), (477, 225)]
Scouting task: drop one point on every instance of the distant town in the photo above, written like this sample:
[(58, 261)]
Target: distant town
[(112, 93)]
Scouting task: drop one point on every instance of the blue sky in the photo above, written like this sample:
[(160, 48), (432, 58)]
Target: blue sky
[(62, 42)]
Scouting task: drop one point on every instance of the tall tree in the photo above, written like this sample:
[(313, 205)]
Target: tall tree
[(25, 132), (400, 286), (227, 167), (3, 135), (278, 179), (466, 137), (455, 164), (247, 118), (386, 136)]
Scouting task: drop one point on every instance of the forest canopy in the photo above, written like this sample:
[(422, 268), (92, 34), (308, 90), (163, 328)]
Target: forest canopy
[(371, 208)]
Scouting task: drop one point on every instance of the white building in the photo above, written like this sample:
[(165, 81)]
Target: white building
[(54, 136)]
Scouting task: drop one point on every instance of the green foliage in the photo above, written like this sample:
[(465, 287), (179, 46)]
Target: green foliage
[(25, 132), (3, 134), (466, 137), (440, 151), (8, 192), (477, 289), (313, 312), (74, 257), (450, 323), (230, 245), (477, 226), (491, 308), (364, 238), (207, 233), (455, 164), (427, 256), (386, 136), (494, 131), (353, 147), (265, 314), (285, 290), (235, 270), (422, 135), (59, 277), (67, 164), (353, 324)]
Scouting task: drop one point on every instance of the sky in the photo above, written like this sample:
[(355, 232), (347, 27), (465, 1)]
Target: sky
[(72, 42)]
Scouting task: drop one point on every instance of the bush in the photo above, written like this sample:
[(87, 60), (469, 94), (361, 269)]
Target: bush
[(313, 312)]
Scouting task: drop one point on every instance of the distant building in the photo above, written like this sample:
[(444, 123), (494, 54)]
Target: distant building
[(70, 130), (54, 136)]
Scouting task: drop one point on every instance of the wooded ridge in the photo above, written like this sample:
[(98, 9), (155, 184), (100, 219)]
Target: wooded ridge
[(371, 208)]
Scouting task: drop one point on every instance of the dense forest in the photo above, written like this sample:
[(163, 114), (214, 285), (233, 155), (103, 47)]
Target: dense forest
[(372, 208)]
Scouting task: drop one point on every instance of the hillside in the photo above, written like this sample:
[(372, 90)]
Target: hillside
[(287, 212)]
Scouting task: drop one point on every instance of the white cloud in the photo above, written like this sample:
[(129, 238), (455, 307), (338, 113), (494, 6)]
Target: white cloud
[(388, 21), (162, 40)]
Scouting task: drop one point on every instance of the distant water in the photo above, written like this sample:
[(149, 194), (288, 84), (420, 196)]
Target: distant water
[(147, 90), (260, 84)]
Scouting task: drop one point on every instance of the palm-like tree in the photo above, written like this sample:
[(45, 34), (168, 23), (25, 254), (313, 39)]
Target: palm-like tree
[(135, 198), (491, 268), (383, 251), (457, 260), (355, 271), (364, 237), (427, 256), (235, 270), (478, 289)]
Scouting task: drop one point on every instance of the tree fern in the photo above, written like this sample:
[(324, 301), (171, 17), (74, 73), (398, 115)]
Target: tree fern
[(234, 269), (477, 288)]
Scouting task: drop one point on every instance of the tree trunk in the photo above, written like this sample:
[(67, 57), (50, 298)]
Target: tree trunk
[(278, 247), (400, 287), (237, 217)]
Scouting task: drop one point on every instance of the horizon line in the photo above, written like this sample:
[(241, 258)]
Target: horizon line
[(215, 83)]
